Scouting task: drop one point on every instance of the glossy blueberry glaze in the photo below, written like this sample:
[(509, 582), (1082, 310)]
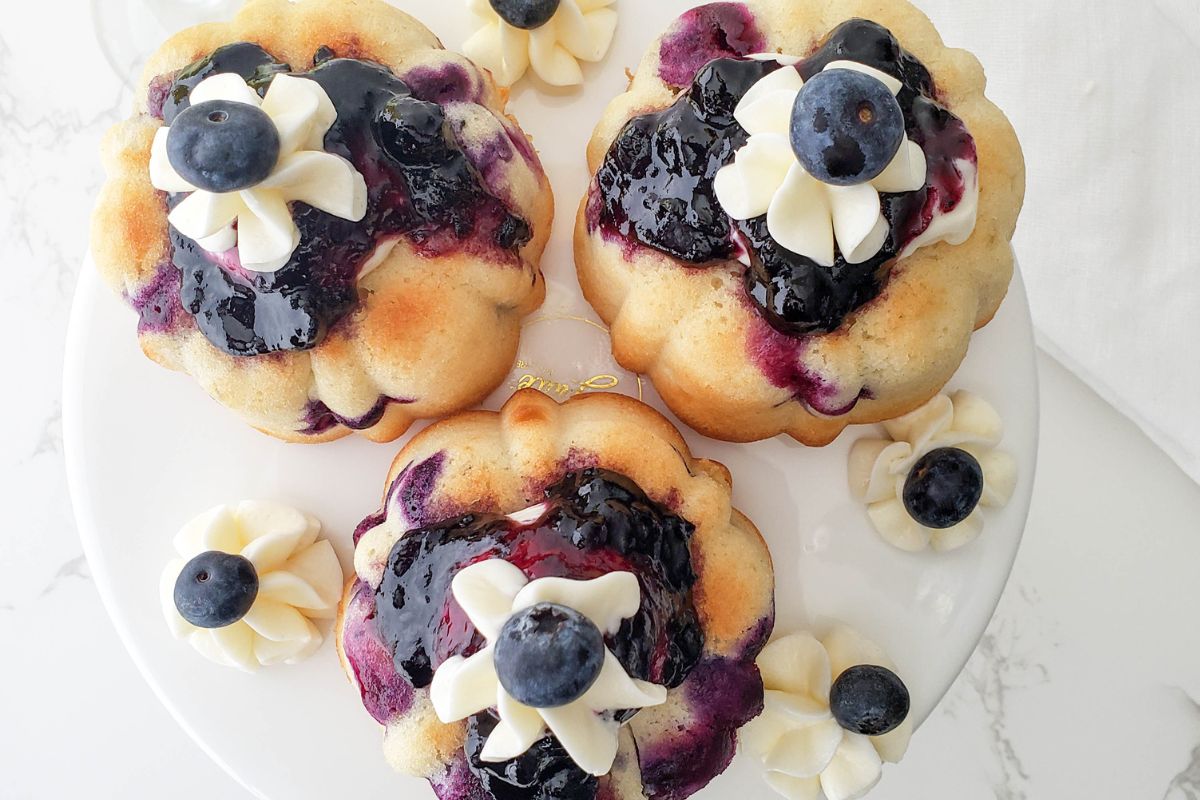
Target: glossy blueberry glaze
[(654, 188), (435, 198), (596, 522)]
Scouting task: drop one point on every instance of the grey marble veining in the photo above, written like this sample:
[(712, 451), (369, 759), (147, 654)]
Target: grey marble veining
[(1186, 785)]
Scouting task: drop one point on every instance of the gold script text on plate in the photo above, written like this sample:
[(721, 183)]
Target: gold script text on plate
[(596, 383)]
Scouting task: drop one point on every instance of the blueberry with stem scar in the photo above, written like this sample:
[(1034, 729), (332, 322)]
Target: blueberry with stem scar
[(549, 655), (846, 127), (869, 699), (215, 589), (944, 488), (223, 147)]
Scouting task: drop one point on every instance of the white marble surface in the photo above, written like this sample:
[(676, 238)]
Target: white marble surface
[(1086, 685)]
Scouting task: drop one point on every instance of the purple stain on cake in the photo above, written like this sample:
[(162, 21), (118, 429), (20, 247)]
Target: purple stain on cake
[(780, 357), (458, 782), (156, 95), (157, 303), (385, 694), (490, 157), (717, 30), (522, 144), (319, 418), (445, 83), (723, 695), (412, 494)]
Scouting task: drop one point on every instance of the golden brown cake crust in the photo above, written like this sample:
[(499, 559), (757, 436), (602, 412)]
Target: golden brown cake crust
[(441, 332), (689, 329), (501, 462)]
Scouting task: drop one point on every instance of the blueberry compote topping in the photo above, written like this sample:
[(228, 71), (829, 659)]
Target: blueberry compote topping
[(596, 522), (655, 187), (420, 184)]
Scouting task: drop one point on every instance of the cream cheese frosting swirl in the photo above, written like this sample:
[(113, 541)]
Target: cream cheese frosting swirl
[(490, 592), (879, 468), (799, 743), (258, 220), (579, 30), (299, 577)]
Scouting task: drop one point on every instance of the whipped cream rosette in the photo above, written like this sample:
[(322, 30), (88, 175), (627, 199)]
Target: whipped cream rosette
[(835, 711), (249, 583), (552, 36), (926, 485)]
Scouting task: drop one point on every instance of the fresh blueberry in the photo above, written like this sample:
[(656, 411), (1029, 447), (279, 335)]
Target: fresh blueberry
[(846, 127), (943, 488), (526, 14), (548, 655), (223, 147), (216, 589), (412, 131), (869, 700)]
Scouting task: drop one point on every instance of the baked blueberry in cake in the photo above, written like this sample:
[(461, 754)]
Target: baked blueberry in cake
[(324, 217), (558, 602), (799, 214)]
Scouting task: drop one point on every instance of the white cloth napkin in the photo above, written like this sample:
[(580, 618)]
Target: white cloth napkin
[(1105, 95)]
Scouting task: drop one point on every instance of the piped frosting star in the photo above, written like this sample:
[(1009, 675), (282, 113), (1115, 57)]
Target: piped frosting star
[(834, 713), (572, 680), (552, 36), (293, 578), (925, 484)]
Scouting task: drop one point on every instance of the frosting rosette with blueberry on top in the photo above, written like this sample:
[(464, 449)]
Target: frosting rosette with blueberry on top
[(835, 712), (926, 485), (249, 583), (545, 664), (242, 159), (552, 36), (816, 183)]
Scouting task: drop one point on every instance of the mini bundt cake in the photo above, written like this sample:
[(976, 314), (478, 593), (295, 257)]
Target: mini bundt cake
[(558, 601), (325, 218), (800, 212)]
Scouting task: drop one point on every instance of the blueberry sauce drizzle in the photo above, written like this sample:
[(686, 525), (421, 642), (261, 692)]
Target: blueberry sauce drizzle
[(430, 193), (655, 187), (596, 522)]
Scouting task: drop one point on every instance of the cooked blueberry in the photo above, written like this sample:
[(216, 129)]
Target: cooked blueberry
[(869, 700), (526, 14), (846, 127), (412, 131), (216, 589), (223, 147), (943, 488), (548, 655)]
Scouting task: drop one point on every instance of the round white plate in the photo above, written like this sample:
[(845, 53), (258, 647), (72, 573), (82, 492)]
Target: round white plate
[(147, 449)]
